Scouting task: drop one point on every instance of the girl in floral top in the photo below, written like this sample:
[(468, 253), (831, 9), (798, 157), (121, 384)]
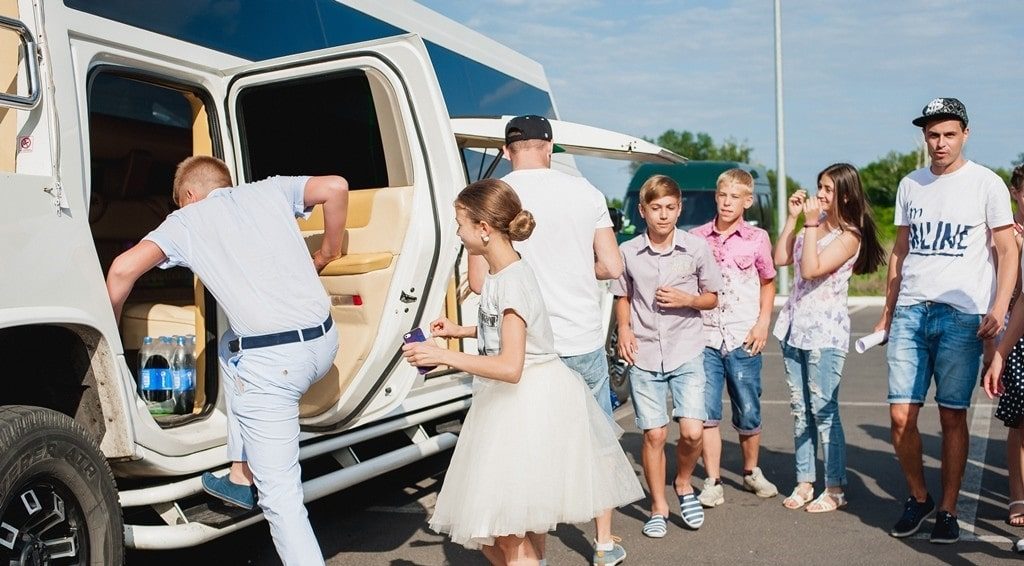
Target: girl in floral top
[(839, 239)]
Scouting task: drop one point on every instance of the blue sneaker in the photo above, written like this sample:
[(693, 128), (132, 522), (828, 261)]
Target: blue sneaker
[(610, 557), (222, 488), (947, 529)]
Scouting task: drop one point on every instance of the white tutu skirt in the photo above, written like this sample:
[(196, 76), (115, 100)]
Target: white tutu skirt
[(532, 455)]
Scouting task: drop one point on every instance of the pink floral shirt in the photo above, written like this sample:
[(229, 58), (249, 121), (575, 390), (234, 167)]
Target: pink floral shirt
[(816, 315), (744, 257)]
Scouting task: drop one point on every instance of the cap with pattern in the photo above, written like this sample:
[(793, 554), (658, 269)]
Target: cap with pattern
[(939, 108)]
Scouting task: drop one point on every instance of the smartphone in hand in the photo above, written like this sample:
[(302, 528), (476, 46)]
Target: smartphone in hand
[(413, 336)]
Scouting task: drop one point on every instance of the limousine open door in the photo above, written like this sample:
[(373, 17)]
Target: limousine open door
[(373, 113)]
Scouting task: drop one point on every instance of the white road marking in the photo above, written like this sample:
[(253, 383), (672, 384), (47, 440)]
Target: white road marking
[(970, 488)]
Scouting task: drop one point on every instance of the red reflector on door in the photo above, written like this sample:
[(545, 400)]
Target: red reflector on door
[(357, 300)]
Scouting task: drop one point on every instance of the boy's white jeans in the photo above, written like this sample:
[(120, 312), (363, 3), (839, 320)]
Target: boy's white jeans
[(262, 387)]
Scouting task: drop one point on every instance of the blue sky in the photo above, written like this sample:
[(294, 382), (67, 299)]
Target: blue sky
[(855, 73)]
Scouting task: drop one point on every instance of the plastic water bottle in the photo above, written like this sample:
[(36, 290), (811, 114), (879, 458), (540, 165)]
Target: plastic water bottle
[(145, 375), (183, 370), (155, 376)]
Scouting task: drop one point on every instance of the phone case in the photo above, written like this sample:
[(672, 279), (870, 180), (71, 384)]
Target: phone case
[(413, 336)]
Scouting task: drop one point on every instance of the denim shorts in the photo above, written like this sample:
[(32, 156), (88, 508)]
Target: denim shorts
[(929, 339), (594, 369), (649, 391), (741, 374)]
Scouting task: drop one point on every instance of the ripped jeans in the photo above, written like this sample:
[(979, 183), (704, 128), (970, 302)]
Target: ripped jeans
[(813, 377)]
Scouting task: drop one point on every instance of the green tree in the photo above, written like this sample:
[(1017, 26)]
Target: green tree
[(1004, 173), (881, 177), (701, 146), (791, 185)]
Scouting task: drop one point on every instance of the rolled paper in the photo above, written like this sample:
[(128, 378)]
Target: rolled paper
[(870, 341)]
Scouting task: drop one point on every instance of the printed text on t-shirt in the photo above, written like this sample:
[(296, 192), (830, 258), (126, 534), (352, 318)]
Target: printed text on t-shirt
[(937, 238)]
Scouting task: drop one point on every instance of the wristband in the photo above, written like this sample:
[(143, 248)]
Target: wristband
[(811, 225)]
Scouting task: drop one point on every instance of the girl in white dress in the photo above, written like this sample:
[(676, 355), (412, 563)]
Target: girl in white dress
[(535, 449)]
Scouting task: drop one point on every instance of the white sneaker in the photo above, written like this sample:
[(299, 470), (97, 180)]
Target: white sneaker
[(757, 483), (711, 495)]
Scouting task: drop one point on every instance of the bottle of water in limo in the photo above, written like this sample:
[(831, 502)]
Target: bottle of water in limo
[(145, 374), (155, 376), (183, 371)]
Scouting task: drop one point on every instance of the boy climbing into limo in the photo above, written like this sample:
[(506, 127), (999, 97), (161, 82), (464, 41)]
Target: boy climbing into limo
[(244, 245)]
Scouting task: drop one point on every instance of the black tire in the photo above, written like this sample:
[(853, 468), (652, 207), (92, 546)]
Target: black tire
[(618, 369), (56, 487)]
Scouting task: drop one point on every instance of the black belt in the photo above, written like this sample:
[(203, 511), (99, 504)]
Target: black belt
[(278, 338)]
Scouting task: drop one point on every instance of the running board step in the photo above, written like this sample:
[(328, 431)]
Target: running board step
[(217, 514), (207, 520)]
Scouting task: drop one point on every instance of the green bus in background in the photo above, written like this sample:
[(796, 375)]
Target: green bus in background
[(697, 180)]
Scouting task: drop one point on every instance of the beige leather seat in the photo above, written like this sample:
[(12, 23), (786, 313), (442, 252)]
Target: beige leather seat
[(155, 319)]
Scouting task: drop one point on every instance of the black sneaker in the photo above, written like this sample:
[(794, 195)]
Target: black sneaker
[(947, 530), (914, 514)]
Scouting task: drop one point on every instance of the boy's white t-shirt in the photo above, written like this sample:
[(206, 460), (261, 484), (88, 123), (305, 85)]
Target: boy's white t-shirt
[(950, 218), (568, 210)]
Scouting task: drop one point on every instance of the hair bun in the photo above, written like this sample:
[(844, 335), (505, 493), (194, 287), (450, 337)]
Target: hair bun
[(521, 226)]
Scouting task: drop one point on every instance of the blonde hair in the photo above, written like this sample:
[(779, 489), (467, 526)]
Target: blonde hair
[(201, 172), (658, 186), (736, 177), (494, 202)]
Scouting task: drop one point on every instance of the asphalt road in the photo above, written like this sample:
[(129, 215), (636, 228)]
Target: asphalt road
[(383, 522)]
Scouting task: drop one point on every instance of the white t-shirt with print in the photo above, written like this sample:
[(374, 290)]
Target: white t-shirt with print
[(244, 245), (950, 218), (514, 288), (568, 210)]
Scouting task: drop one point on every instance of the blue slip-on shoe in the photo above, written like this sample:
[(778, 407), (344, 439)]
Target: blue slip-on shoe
[(655, 527), (222, 488), (611, 557), (691, 511), (914, 513)]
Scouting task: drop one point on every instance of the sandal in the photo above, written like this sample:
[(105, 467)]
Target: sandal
[(1015, 519), (827, 501), (797, 499)]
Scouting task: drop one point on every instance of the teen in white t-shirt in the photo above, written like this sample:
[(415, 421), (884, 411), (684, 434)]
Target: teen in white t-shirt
[(949, 216), (568, 210), (944, 297)]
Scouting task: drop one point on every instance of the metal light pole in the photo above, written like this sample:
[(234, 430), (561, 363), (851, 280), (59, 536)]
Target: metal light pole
[(780, 147)]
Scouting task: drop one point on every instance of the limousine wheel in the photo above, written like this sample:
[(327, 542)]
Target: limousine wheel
[(58, 502), (618, 369)]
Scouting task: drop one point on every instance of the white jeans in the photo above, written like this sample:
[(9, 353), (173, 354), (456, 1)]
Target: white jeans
[(262, 387)]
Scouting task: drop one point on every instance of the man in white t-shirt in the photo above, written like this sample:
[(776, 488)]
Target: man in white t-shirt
[(944, 297), (572, 247), (244, 245)]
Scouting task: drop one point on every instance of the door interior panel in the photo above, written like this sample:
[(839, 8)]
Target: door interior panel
[(358, 282)]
